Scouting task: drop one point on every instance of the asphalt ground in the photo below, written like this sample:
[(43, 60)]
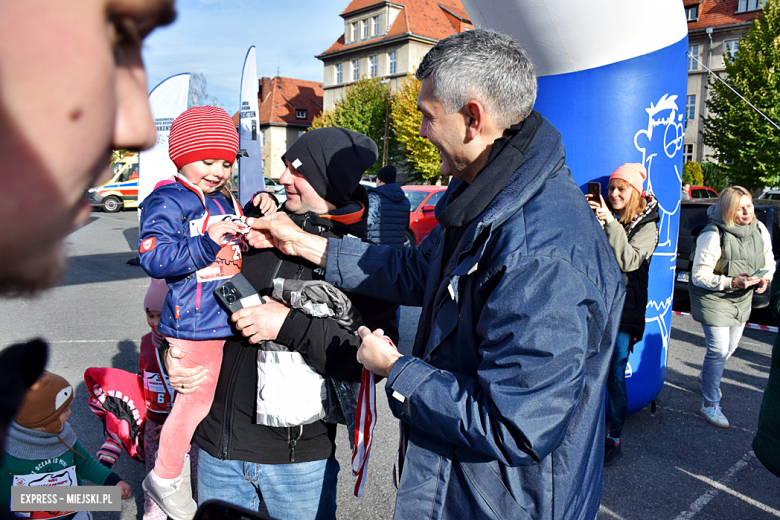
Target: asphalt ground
[(675, 465)]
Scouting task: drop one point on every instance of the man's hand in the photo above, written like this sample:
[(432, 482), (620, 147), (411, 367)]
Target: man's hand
[(376, 353), (280, 232), (261, 322), (183, 380)]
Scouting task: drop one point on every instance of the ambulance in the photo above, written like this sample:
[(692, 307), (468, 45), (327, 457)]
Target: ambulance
[(122, 190)]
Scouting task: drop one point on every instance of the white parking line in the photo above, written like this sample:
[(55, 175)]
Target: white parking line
[(609, 513), (66, 341), (703, 500)]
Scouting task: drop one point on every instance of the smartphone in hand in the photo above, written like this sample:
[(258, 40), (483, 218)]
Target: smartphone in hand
[(760, 273), (594, 189)]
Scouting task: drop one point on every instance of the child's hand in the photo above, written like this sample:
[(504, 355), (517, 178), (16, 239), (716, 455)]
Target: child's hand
[(222, 231), (265, 203), (127, 492)]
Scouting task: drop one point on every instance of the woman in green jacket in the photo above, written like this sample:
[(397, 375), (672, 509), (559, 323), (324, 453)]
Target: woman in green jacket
[(733, 258)]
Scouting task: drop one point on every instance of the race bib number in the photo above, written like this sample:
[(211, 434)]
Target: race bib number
[(155, 393), (66, 477), (228, 261)]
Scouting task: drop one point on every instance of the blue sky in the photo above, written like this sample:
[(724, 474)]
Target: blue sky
[(212, 37)]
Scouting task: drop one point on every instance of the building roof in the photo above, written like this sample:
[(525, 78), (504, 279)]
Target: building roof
[(717, 13), (280, 97), (429, 19)]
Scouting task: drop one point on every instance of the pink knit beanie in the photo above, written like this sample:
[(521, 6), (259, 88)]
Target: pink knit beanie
[(202, 133), (633, 173), (155, 295)]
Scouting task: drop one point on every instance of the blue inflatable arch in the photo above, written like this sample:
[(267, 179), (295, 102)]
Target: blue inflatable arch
[(613, 80)]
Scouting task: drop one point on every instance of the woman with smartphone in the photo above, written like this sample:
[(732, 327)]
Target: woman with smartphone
[(732, 258), (630, 220)]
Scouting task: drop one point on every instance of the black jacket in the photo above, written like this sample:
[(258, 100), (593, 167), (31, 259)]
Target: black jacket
[(632, 321), (229, 431)]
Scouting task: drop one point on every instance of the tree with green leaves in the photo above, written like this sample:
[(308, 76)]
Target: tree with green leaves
[(363, 109), (421, 155), (713, 176), (692, 174), (746, 144)]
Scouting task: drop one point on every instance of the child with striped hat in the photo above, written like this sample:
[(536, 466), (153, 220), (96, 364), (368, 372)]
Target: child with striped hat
[(191, 238)]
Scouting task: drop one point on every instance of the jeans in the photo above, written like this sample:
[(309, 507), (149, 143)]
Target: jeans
[(721, 344), (299, 491), (616, 385)]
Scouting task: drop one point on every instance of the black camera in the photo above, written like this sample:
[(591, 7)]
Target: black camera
[(237, 293)]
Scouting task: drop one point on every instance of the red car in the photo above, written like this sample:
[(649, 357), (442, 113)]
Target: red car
[(423, 200), (702, 192)]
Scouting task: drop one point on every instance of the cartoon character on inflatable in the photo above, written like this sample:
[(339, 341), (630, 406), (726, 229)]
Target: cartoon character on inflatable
[(612, 75)]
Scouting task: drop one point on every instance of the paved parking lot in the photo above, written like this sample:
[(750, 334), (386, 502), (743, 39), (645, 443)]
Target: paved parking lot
[(675, 465)]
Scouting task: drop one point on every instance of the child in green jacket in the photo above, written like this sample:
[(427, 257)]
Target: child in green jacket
[(42, 449)]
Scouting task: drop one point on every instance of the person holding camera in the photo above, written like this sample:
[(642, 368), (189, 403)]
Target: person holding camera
[(285, 464), (732, 258), (633, 236)]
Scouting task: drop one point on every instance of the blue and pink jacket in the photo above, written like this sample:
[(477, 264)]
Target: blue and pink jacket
[(174, 245)]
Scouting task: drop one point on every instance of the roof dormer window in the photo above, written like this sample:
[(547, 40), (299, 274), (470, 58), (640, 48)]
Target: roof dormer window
[(300, 113)]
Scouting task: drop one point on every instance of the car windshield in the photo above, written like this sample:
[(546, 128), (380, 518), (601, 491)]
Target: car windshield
[(415, 197)]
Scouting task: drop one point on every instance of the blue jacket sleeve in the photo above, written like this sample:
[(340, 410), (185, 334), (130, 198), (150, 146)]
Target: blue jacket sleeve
[(533, 343), (373, 208), (172, 252), (383, 272)]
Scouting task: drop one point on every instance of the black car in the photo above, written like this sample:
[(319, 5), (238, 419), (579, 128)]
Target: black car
[(693, 216)]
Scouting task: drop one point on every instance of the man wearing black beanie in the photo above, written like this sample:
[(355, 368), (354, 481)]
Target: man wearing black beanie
[(292, 459)]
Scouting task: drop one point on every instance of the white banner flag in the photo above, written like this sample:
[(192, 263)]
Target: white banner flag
[(168, 100), (250, 169)]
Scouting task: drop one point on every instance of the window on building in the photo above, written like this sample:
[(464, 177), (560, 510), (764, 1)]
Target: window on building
[(300, 113), (372, 66), (690, 108), (750, 5), (365, 28), (354, 31), (692, 13), (355, 70), (688, 152), (339, 76), (693, 56), (391, 59), (730, 48), (375, 25)]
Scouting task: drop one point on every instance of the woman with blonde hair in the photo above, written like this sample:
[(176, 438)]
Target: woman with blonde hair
[(733, 257), (633, 236)]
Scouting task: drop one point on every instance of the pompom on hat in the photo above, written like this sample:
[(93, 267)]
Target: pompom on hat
[(155, 295), (201, 133), (44, 402), (633, 173)]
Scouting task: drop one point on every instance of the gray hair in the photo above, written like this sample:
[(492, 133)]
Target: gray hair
[(486, 66)]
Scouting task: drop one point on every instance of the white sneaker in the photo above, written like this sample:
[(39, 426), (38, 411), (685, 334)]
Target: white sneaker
[(175, 500), (714, 416)]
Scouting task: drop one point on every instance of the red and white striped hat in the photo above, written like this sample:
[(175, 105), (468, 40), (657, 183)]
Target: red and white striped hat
[(202, 133)]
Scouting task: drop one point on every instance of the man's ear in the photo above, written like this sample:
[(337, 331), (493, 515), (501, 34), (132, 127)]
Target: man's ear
[(475, 115)]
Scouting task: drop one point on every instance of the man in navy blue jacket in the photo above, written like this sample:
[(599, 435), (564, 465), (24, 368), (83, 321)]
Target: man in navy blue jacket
[(502, 400), (388, 210)]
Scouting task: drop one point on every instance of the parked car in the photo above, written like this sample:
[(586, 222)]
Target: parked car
[(693, 215), (119, 192), (423, 201), (770, 195), (702, 192)]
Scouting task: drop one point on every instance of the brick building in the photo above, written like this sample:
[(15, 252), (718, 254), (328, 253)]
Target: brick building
[(387, 40), (286, 109)]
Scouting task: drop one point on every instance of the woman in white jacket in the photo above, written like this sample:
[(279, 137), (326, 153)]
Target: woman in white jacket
[(733, 258)]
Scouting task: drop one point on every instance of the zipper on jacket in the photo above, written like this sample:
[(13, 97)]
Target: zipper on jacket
[(227, 414), (292, 441)]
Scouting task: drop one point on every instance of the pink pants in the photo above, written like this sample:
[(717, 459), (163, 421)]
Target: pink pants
[(188, 409)]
